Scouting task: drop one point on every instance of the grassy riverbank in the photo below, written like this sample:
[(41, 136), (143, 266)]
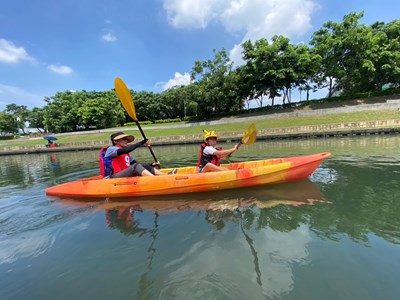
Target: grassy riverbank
[(283, 119), (171, 129)]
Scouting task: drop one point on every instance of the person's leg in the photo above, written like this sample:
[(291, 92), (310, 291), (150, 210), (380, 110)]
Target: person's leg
[(142, 170), (149, 168), (157, 172), (209, 167), (153, 170), (133, 170)]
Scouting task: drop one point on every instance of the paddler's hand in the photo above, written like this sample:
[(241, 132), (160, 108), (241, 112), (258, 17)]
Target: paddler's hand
[(147, 143), (156, 164)]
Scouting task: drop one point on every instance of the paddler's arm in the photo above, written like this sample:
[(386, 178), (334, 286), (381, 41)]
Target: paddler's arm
[(130, 148), (223, 153)]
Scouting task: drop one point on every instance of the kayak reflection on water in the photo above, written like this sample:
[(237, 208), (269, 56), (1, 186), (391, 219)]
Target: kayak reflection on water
[(219, 207), (122, 219)]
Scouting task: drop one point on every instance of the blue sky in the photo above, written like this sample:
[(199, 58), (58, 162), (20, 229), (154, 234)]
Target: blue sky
[(48, 46)]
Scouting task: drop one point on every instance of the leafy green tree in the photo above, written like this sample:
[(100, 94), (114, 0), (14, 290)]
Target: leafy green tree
[(191, 108), (149, 106), (306, 67), (386, 55), (61, 112), (100, 113), (19, 113), (69, 111), (7, 123), (327, 46), (174, 100), (36, 118), (355, 57), (212, 85), (233, 87), (188, 97), (267, 69), (359, 47)]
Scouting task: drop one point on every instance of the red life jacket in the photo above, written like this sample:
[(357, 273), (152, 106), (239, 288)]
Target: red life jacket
[(204, 159), (121, 162), (109, 166)]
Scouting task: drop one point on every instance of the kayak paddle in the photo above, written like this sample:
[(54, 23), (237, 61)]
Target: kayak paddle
[(248, 138), (124, 95)]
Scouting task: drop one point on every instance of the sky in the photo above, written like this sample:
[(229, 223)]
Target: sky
[(50, 46)]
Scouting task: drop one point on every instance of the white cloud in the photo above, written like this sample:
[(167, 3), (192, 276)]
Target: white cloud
[(179, 79), (63, 70), (188, 13), (255, 18), (109, 37), (259, 18), (265, 18), (11, 94), (9, 53), (235, 55)]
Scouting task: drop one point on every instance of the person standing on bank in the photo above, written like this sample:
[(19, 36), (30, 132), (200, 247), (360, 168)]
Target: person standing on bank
[(210, 156), (122, 163)]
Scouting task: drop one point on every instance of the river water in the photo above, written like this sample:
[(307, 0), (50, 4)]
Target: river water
[(334, 236)]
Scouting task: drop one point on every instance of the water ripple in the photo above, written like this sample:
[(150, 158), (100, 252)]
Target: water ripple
[(324, 175), (212, 286), (22, 246)]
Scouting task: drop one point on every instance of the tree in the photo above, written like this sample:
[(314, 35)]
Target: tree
[(214, 85), (100, 112), (19, 113), (68, 111), (327, 46), (7, 123), (149, 106), (268, 68), (61, 112), (387, 54), (174, 100), (355, 57), (307, 66), (36, 118)]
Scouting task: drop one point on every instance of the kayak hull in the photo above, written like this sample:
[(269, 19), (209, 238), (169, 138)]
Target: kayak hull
[(187, 180)]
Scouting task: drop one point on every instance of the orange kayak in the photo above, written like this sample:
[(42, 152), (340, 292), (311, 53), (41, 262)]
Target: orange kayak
[(187, 180)]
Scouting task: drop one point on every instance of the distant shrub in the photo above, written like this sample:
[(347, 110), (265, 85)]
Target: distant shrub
[(7, 137), (168, 121), (197, 118), (131, 124)]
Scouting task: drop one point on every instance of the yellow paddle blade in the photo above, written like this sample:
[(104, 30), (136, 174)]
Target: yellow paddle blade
[(124, 95), (250, 135)]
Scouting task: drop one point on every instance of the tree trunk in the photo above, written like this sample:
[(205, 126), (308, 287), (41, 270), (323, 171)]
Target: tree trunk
[(330, 87)]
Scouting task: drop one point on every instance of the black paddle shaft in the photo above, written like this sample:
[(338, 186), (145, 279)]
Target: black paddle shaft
[(143, 135)]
